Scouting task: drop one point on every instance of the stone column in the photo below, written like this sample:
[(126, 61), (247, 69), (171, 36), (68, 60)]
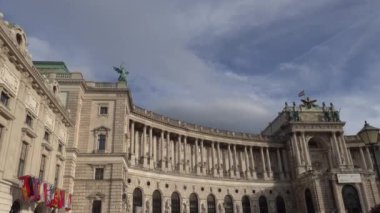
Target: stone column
[(338, 198), (202, 159), (270, 172), (179, 154), (298, 156), (185, 157), (345, 150), (285, 163), (265, 174), (197, 166), (169, 156), (306, 151), (213, 161), (364, 164), (220, 161), (161, 150), (151, 148), (280, 164), (369, 159), (230, 170), (132, 139), (237, 170), (247, 171), (254, 175), (137, 147), (337, 151), (143, 147)]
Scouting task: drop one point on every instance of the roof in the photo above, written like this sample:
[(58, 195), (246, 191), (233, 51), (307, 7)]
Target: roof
[(51, 66)]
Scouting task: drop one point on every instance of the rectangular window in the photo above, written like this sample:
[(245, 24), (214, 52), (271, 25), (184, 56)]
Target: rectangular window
[(21, 165), (4, 98), (99, 172), (46, 136), (60, 147), (56, 178), (97, 206), (42, 167), (28, 120), (103, 110), (102, 142)]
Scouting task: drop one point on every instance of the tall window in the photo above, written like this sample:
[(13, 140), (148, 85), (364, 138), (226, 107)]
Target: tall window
[(280, 204), (46, 136), (102, 142), (99, 173), (309, 201), (263, 204), (246, 205), (28, 120), (156, 202), (137, 200), (4, 98), (193, 203), (97, 206), (228, 204), (21, 165), (56, 177), (351, 199), (176, 206), (42, 167), (211, 204)]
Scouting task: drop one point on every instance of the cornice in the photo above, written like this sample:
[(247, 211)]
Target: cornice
[(15, 56)]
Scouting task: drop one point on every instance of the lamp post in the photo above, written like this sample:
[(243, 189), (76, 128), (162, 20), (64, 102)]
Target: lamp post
[(369, 136)]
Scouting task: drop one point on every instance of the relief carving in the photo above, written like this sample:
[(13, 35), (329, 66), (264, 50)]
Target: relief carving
[(32, 103), (9, 79)]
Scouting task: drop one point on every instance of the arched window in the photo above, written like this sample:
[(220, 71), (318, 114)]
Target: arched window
[(15, 207), (351, 199), (137, 200), (246, 204), (228, 204), (156, 202), (280, 204), (309, 201), (193, 203), (176, 207), (101, 142), (211, 208), (263, 204)]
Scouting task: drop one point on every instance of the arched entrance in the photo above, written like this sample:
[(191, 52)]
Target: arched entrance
[(157, 202), (280, 205), (176, 206), (211, 208), (193, 203), (16, 207), (263, 205), (246, 204), (228, 204), (351, 199), (309, 201), (137, 200)]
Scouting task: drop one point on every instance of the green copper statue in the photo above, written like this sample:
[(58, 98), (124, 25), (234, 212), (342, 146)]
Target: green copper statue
[(122, 73)]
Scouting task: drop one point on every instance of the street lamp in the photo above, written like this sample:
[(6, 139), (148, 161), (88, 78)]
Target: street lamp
[(369, 136)]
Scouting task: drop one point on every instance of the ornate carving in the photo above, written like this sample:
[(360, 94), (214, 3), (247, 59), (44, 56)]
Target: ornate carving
[(9, 79)]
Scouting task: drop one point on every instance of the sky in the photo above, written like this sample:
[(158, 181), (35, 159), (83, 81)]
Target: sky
[(219, 63)]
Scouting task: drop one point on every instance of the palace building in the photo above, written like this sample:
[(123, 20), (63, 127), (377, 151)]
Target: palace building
[(67, 144)]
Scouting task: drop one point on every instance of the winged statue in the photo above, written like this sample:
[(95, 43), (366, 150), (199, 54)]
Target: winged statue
[(122, 73)]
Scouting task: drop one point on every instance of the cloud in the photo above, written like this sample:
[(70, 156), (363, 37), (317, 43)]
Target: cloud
[(227, 64)]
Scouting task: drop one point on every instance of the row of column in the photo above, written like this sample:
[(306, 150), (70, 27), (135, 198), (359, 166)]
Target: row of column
[(172, 152)]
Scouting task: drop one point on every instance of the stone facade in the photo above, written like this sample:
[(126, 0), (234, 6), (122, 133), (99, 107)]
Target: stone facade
[(118, 157)]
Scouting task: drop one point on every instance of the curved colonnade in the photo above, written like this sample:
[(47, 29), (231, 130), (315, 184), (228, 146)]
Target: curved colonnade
[(179, 167)]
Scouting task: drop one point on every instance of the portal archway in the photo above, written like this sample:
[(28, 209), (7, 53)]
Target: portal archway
[(211, 207), (280, 205), (351, 199)]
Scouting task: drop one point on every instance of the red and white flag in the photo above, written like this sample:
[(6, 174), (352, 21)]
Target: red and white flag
[(302, 93)]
